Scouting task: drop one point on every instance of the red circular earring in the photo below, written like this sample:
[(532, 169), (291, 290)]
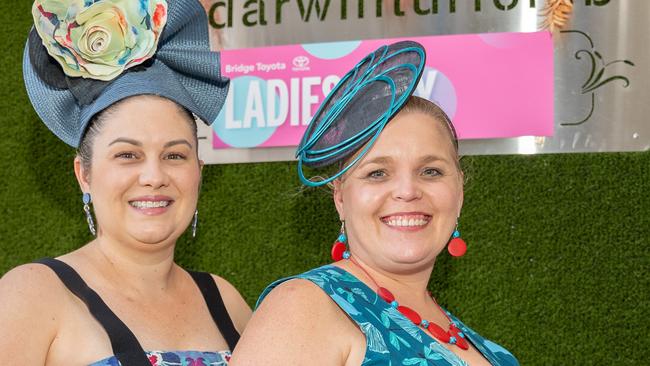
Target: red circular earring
[(339, 248), (457, 246)]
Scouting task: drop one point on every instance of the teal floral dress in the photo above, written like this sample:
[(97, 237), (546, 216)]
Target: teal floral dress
[(392, 339)]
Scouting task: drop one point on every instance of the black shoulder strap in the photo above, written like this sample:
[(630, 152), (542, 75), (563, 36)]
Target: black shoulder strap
[(217, 308), (126, 347)]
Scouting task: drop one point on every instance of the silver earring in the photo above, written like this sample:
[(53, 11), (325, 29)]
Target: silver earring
[(195, 222), (89, 217)]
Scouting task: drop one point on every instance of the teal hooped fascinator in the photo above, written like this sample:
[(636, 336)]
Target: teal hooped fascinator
[(359, 107), (82, 56)]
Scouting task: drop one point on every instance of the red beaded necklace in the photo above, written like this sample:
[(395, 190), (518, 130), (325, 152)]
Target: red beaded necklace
[(452, 336)]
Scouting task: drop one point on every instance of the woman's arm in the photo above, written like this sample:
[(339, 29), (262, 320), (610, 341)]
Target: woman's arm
[(29, 304), (296, 324)]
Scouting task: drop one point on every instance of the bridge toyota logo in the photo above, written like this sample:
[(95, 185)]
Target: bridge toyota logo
[(300, 63)]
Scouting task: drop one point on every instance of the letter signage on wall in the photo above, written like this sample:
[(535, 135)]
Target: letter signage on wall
[(508, 87)]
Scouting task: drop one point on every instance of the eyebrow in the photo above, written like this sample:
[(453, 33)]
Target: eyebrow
[(430, 158), (387, 160), (377, 160), (138, 143), (125, 140), (178, 142)]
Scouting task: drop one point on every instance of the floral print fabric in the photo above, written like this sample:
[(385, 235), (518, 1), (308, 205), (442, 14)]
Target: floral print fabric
[(392, 339), (99, 39), (179, 358)]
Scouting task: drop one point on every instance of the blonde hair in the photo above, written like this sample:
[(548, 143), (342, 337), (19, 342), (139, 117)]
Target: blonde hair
[(420, 105)]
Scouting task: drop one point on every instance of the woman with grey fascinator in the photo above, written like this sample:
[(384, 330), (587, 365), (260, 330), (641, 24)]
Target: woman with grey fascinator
[(124, 82)]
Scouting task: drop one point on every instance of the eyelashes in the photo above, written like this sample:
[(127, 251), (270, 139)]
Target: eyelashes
[(379, 174), (376, 174), (130, 155), (432, 172), (127, 155), (175, 156)]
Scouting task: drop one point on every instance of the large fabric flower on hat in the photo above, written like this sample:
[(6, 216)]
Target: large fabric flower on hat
[(99, 39)]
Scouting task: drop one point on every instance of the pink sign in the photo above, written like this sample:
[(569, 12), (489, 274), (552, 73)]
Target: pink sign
[(495, 85)]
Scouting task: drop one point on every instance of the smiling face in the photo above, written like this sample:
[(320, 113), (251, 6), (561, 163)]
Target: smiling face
[(400, 202), (144, 173)]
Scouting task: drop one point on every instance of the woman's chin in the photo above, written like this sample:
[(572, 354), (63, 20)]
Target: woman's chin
[(153, 236), (411, 257)]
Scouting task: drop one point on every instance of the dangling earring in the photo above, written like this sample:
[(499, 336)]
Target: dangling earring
[(89, 217), (457, 246), (195, 221), (339, 249)]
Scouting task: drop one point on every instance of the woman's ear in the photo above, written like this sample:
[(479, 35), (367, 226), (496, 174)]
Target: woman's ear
[(82, 175), (338, 198)]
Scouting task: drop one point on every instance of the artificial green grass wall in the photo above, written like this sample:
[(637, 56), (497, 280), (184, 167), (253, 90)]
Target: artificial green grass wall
[(558, 244)]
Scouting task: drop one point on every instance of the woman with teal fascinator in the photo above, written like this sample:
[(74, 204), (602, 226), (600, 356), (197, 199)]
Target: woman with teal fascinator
[(392, 161), (124, 82)]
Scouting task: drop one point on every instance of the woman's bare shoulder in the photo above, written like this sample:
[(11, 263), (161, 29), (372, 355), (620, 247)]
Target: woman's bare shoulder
[(29, 282), (302, 296), (31, 298), (291, 325)]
